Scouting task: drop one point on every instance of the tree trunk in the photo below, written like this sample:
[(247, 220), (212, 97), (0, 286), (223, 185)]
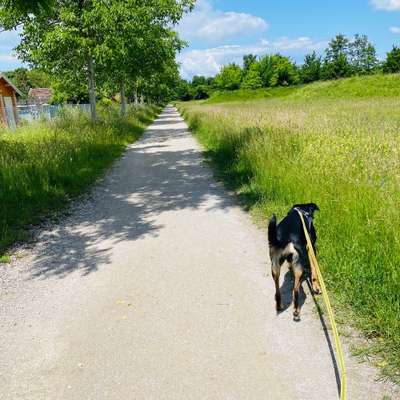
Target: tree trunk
[(92, 89), (135, 96), (123, 99)]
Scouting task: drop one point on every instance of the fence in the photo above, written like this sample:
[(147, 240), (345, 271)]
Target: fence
[(33, 112)]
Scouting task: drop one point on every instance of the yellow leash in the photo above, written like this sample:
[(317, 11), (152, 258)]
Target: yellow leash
[(338, 345)]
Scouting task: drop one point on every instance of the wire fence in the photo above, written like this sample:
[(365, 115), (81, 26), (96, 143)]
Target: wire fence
[(31, 113)]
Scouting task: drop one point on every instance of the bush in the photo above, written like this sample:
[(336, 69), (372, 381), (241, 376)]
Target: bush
[(201, 92), (392, 63), (229, 78), (277, 70), (252, 79)]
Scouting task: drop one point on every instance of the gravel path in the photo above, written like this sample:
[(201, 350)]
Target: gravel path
[(158, 287)]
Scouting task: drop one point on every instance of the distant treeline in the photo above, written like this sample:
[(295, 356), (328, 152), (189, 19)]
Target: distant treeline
[(342, 58)]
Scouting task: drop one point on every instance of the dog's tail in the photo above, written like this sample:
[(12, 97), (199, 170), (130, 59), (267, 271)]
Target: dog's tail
[(272, 232)]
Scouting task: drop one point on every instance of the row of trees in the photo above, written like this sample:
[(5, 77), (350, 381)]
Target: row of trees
[(106, 46), (342, 58)]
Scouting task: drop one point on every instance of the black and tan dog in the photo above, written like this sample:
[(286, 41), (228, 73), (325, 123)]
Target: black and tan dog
[(287, 243)]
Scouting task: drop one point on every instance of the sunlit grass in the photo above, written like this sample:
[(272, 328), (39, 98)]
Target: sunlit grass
[(387, 85), (344, 155), (43, 165)]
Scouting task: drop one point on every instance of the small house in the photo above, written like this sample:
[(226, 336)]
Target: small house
[(39, 96), (8, 102)]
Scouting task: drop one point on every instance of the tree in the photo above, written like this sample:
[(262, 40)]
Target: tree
[(310, 71), (141, 36), (184, 91), (362, 54), (248, 61), (13, 12), (201, 92), (266, 67), (285, 72), (199, 80), (229, 77), (336, 63), (392, 62), (277, 70), (85, 39), (252, 78)]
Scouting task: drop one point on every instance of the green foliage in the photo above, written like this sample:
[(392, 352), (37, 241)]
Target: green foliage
[(184, 91), (252, 78), (362, 55), (310, 71), (25, 79), (199, 81), (336, 63), (14, 12), (43, 164), (229, 77), (199, 89), (277, 70), (101, 44), (201, 92), (288, 150), (392, 63), (248, 61)]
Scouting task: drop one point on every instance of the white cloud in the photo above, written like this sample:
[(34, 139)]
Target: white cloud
[(395, 29), (388, 5), (208, 62), (302, 43), (212, 25)]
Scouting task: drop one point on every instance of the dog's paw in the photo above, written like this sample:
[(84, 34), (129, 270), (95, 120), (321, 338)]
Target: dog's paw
[(296, 316), (317, 290)]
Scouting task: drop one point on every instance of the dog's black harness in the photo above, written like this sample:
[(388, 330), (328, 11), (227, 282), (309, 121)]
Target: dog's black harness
[(307, 216)]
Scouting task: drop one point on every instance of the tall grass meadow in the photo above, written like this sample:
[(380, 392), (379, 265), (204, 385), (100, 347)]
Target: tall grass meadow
[(341, 153)]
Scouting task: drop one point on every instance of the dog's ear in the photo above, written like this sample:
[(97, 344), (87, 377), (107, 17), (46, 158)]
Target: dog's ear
[(314, 207)]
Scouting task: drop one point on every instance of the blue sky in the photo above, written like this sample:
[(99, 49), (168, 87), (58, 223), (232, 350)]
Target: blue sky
[(221, 31)]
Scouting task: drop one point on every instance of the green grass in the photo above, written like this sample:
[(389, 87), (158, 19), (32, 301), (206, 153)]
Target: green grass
[(43, 165), (355, 87), (341, 152), (5, 259)]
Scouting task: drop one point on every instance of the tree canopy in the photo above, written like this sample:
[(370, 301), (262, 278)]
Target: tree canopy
[(110, 45)]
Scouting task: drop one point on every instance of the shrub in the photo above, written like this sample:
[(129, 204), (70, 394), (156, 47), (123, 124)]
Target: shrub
[(229, 78)]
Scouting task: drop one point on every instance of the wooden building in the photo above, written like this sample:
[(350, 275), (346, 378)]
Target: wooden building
[(8, 102), (39, 96)]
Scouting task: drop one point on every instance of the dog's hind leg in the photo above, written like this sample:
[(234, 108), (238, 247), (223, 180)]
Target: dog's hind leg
[(298, 273), (276, 270), (314, 279)]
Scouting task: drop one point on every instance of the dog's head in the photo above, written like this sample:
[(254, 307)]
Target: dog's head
[(309, 208)]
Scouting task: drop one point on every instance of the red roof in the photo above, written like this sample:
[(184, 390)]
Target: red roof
[(42, 95)]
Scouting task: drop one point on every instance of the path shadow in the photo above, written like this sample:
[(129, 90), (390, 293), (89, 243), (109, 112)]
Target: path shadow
[(152, 177), (328, 339)]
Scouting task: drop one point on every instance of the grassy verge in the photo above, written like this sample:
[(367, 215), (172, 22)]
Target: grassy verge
[(44, 164), (356, 87), (342, 153)]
